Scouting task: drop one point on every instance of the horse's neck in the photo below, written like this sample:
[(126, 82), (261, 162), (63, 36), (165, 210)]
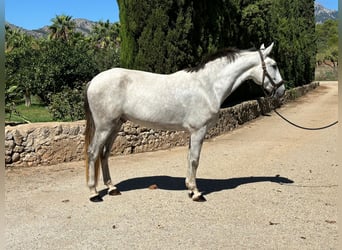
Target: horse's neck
[(227, 78)]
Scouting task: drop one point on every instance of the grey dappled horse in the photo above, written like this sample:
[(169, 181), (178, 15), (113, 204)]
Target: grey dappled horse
[(187, 100)]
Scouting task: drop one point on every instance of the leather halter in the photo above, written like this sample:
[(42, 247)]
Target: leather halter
[(266, 74)]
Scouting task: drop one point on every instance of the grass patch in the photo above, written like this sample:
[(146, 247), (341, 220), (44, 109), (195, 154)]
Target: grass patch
[(37, 112)]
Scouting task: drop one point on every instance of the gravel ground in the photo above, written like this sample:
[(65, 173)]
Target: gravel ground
[(268, 185)]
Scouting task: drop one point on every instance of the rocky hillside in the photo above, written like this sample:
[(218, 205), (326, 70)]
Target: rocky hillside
[(322, 14), (82, 25)]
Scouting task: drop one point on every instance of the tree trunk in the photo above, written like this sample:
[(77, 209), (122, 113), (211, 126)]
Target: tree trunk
[(27, 98)]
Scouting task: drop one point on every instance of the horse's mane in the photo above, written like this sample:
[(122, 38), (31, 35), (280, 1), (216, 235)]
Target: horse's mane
[(229, 53)]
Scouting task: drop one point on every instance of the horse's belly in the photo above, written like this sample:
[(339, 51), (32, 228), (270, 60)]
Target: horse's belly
[(158, 116), (156, 123)]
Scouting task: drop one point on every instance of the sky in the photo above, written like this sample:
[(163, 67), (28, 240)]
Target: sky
[(329, 4), (35, 14)]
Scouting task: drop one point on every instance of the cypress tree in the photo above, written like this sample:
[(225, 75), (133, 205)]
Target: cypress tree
[(155, 34), (291, 25), (165, 36), (293, 29)]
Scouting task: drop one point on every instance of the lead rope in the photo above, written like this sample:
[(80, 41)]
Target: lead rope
[(301, 127), (296, 125)]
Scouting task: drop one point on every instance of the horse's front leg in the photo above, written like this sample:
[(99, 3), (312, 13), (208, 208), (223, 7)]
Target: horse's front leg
[(195, 145)]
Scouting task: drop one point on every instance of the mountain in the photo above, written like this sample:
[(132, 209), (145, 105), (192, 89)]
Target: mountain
[(82, 25), (322, 14)]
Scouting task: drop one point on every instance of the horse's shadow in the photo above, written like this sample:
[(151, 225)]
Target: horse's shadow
[(207, 186)]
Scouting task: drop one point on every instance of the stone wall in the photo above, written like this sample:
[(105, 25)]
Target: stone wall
[(53, 143)]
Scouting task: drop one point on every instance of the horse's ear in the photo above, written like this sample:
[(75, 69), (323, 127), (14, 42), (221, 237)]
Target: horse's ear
[(262, 47), (268, 50)]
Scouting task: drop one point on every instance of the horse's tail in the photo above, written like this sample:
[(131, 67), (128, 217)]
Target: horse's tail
[(89, 134)]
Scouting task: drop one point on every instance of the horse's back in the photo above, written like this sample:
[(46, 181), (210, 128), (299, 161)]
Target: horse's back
[(121, 78)]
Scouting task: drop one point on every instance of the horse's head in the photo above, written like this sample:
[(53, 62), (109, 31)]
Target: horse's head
[(267, 74)]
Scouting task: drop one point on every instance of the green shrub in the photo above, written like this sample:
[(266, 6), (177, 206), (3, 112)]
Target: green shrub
[(67, 105)]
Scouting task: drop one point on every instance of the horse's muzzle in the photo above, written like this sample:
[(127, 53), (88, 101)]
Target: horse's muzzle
[(279, 92)]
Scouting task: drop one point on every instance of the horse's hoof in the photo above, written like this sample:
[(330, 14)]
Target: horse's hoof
[(114, 192), (96, 198), (199, 197), (191, 194)]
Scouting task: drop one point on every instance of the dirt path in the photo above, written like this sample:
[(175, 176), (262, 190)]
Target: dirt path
[(268, 186)]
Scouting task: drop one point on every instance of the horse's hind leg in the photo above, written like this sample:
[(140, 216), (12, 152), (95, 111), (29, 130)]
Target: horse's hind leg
[(95, 147), (112, 190), (196, 141)]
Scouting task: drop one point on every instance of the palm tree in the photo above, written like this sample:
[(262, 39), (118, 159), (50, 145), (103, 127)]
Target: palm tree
[(15, 39), (61, 28), (106, 35)]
